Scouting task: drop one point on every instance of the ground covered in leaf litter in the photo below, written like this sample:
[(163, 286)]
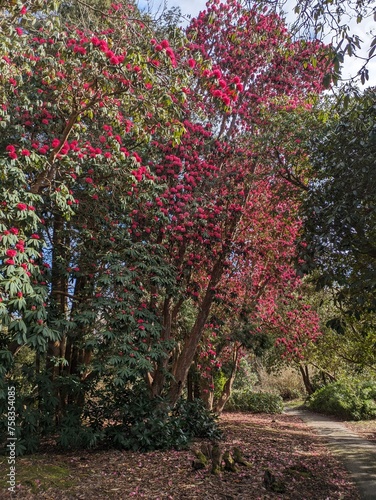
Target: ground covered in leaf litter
[(365, 428), (297, 459)]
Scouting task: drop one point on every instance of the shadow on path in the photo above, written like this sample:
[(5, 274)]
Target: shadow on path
[(357, 454)]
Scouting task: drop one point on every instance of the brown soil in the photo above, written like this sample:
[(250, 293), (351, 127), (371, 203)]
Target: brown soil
[(298, 462)]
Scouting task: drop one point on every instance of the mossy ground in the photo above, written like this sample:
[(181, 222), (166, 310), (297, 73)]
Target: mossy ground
[(34, 473)]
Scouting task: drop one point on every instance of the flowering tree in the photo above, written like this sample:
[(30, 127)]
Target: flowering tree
[(225, 180), (143, 177), (78, 108), (337, 19)]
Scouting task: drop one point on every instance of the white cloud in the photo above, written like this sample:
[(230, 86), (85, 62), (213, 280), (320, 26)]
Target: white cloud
[(187, 7), (192, 7)]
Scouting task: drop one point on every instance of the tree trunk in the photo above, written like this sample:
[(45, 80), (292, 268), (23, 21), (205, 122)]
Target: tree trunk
[(76, 355), (59, 292), (226, 392), (307, 382), (158, 378), (207, 392), (184, 360)]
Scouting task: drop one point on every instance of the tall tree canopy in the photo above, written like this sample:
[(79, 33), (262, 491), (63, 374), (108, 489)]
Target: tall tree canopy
[(340, 207), (339, 232), (144, 177), (337, 20)]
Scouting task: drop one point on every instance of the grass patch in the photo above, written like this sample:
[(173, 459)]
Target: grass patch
[(34, 474), (294, 403)]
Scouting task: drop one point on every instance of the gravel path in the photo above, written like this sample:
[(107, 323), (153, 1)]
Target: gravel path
[(357, 454)]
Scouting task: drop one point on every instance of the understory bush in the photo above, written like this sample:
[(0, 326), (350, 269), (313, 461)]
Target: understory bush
[(352, 400), (127, 419), (153, 425), (287, 383), (139, 423), (196, 420), (254, 402)]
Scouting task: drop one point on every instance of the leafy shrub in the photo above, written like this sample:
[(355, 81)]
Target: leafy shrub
[(135, 422), (127, 419), (254, 402), (220, 379), (147, 426), (196, 420), (352, 400), (35, 408)]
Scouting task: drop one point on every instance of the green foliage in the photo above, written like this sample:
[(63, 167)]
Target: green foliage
[(74, 434), (246, 376), (324, 16), (127, 419), (134, 421), (340, 217), (219, 379), (36, 405), (74, 285), (145, 424), (45, 409), (196, 420), (254, 402), (339, 231), (352, 400)]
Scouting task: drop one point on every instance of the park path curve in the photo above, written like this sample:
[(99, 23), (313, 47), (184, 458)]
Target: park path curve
[(357, 454)]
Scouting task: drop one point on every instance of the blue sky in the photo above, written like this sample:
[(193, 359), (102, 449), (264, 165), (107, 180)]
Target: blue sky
[(351, 66)]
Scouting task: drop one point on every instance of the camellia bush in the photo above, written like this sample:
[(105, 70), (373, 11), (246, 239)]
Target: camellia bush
[(149, 211)]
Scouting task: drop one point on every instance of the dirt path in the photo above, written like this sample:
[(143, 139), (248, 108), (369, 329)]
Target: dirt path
[(357, 454)]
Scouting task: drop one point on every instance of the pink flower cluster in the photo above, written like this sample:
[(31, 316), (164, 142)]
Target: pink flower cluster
[(103, 46), (164, 45)]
